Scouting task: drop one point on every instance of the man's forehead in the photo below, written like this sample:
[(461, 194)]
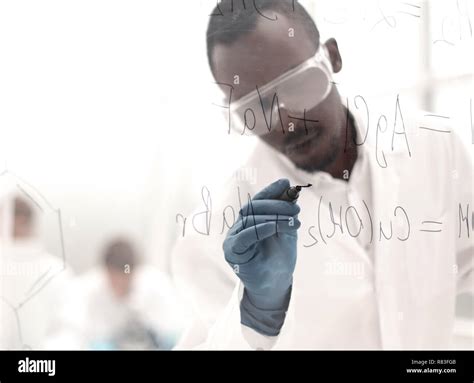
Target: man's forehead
[(263, 54)]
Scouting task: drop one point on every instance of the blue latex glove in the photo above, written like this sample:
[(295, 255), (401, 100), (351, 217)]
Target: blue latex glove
[(261, 248)]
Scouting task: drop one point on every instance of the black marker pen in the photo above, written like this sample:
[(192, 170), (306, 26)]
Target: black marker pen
[(292, 193)]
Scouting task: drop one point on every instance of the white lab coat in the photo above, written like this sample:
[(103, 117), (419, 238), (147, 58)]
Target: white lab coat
[(405, 298), (30, 286)]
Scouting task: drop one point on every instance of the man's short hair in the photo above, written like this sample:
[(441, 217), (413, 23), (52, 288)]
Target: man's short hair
[(232, 19), (118, 254)]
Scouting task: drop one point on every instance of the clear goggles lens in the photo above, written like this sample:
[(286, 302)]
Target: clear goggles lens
[(296, 91)]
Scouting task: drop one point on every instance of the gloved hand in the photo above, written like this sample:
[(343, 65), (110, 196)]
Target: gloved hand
[(261, 248)]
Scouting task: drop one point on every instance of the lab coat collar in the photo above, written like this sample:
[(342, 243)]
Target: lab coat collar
[(389, 256)]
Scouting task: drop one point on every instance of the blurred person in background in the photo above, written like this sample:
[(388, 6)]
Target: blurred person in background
[(121, 304), (31, 278)]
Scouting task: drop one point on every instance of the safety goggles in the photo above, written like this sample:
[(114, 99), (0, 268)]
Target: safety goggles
[(296, 91)]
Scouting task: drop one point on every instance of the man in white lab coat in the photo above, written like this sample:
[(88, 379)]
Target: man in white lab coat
[(122, 304), (385, 242)]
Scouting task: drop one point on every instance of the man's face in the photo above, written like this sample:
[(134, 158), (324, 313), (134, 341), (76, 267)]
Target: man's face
[(119, 282), (266, 53)]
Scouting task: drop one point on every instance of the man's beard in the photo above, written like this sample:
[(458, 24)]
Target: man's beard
[(331, 156)]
